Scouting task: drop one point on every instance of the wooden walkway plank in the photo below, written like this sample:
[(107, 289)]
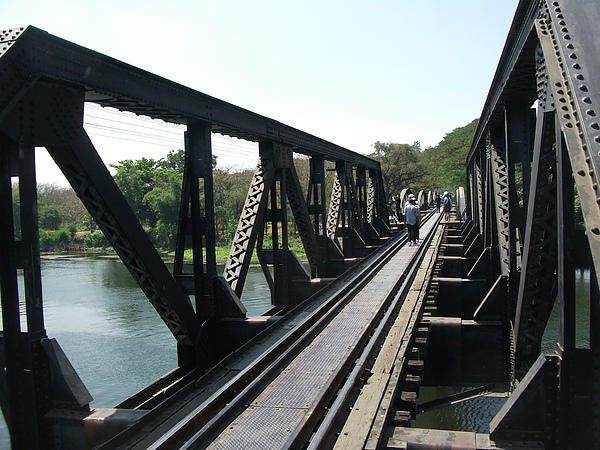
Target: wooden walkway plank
[(372, 407)]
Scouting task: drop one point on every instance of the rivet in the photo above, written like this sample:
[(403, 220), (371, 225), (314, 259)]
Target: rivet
[(586, 100), (591, 112), (595, 230), (570, 46), (581, 173), (595, 126), (576, 66), (567, 37), (579, 77), (597, 139), (583, 88), (572, 56)]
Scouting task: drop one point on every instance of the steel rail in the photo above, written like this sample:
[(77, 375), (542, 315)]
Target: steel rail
[(342, 400), (210, 417)]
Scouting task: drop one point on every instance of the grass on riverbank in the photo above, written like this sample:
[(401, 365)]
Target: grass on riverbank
[(221, 252)]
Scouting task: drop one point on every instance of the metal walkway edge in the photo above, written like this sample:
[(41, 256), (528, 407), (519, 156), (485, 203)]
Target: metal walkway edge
[(281, 410)]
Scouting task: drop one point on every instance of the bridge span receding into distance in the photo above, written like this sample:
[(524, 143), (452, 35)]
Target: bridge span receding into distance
[(367, 321)]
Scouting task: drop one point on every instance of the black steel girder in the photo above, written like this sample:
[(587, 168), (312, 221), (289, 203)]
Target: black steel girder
[(29, 54), (550, 62)]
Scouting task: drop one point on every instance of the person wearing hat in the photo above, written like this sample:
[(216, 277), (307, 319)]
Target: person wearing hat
[(412, 197), (411, 217)]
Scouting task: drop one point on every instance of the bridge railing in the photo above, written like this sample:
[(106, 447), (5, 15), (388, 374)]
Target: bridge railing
[(535, 155), (46, 82)]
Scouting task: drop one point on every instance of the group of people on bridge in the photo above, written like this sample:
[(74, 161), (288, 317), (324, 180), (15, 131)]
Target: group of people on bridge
[(410, 214)]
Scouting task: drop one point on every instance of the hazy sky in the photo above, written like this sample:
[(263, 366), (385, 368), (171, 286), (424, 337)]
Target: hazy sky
[(350, 72)]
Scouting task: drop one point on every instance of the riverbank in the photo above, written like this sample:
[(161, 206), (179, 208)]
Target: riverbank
[(167, 257)]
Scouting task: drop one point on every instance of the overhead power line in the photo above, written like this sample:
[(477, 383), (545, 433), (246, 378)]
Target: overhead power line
[(114, 124)]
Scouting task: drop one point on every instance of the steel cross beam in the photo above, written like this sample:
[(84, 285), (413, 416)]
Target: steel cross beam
[(377, 207), (573, 71), (247, 230), (345, 216), (75, 155), (551, 57), (28, 54), (274, 187), (500, 191), (537, 287)]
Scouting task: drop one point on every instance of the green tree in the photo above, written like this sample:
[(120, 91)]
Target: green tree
[(401, 165), (446, 162), (49, 217), (64, 205), (230, 191), (164, 200), (136, 179)]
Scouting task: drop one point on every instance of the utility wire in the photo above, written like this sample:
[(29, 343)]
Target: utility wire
[(163, 134)]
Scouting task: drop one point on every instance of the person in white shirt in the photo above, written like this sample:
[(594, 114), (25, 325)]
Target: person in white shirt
[(411, 217)]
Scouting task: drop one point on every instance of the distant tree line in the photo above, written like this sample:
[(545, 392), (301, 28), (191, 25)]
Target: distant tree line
[(153, 188), (440, 168)]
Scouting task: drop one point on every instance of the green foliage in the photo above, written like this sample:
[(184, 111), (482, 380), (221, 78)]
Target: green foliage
[(92, 240), (401, 165), (153, 188), (164, 200), (55, 240), (446, 162), (136, 179), (49, 217), (230, 191)]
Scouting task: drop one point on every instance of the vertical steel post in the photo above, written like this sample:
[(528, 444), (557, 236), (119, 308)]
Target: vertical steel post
[(566, 292), (316, 194), (197, 220), (25, 383), (595, 355), (361, 194)]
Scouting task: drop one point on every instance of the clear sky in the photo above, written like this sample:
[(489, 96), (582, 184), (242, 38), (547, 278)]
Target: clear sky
[(351, 72)]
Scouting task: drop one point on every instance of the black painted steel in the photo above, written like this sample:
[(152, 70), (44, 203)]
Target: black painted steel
[(542, 102), (45, 82), (357, 301), (536, 151), (31, 54)]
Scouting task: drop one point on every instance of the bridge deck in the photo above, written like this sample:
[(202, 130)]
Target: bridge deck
[(282, 397), (292, 397)]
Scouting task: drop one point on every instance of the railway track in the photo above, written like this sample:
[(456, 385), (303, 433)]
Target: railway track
[(293, 394)]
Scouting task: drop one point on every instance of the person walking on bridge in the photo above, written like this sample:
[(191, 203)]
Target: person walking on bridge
[(412, 216), (447, 206)]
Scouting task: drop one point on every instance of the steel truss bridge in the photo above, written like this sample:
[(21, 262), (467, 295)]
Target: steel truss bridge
[(357, 331)]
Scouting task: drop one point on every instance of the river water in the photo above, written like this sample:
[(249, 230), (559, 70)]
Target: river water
[(108, 329), (118, 344)]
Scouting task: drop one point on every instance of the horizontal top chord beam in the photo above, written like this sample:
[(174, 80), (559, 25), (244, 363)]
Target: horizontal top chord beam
[(29, 54)]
